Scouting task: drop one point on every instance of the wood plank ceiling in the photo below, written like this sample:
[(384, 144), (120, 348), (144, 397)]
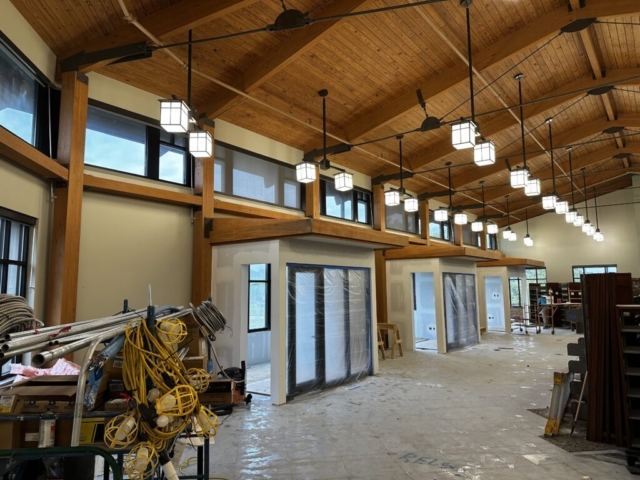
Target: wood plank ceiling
[(268, 82)]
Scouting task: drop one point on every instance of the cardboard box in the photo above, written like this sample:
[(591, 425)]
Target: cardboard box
[(116, 405), (220, 392)]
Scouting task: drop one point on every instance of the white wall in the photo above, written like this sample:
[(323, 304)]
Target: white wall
[(561, 245)]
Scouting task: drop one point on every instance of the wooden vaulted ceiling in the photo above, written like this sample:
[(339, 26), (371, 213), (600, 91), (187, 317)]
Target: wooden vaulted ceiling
[(372, 65)]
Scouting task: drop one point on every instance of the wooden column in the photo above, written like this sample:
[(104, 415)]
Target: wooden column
[(379, 212), (312, 203), (424, 222), (202, 250), (458, 234), (381, 287), (64, 254), (483, 238)]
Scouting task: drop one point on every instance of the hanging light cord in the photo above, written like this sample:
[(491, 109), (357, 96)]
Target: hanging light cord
[(484, 206), (526, 216), (553, 166), (586, 197), (508, 212), (189, 71), (573, 190), (524, 153), (450, 190), (470, 57), (595, 201), (324, 123), (399, 137)]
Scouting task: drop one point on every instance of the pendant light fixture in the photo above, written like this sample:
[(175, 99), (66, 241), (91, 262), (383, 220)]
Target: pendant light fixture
[(528, 241), (549, 201), (506, 233), (520, 176), (492, 228), (478, 225), (306, 171), (586, 226), (464, 132), (459, 217), (176, 117), (579, 221), (393, 196), (571, 215), (598, 236), (442, 213)]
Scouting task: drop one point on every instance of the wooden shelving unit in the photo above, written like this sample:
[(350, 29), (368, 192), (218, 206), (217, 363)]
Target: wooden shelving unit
[(629, 330)]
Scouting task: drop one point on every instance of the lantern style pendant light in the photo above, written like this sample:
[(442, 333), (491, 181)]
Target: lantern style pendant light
[(343, 181), (598, 236), (549, 201), (478, 225), (492, 228), (506, 234), (562, 207), (460, 218), (513, 236), (528, 241), (441, 214), (200, 144), (520, 176), (392, 198), (464, 132), (174, 116), (306, 172), (410, 204), (572, 214), (586, 226)]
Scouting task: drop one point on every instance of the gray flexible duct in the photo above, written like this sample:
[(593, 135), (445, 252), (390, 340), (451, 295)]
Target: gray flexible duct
[(16, 315)]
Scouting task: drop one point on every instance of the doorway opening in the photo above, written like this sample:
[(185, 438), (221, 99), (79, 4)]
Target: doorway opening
[(494, 300), (424, 312), (259, 336)]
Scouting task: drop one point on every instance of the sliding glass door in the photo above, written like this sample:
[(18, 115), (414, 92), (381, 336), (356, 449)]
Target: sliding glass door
[(328, 327)]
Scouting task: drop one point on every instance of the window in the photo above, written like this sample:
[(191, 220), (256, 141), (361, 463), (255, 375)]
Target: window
[(470, 237), (115, 142), (15, 232), (173, 158), (536, 275), (245, 174), (259, 291), (354, 205), (591, 269), (18, 98), (492, 241), (398, 219), (515, 293), (440, 230)]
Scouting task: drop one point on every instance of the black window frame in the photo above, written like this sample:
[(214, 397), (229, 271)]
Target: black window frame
[(446, 228), (406, 215), (492, 241), (358, 195), (267, 282), (583, 267), (519, 280), (468, 234)]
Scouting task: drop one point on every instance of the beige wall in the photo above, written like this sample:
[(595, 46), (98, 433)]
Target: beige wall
[(562, 246)]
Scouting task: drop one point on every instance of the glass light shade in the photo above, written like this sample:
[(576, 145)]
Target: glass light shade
[(200, 144), (411, 204), (306, 172), (441, 215), (174, 116), (492, 228), (528, 241), (562, 207), (578, 221), (519, 178), (463, 134), (513, 236), (477, 226), (549, 202), (586, 225), (392, 198), (590, 231), (506, 233), (570, 216), (532, 189), (343, 181), (460, 218), (484, 153), (598, 236)]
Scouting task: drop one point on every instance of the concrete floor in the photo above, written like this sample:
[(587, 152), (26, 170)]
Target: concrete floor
[(259, 378), (424, 417)]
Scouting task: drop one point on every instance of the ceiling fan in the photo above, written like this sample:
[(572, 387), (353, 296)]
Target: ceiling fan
[(289, 19)]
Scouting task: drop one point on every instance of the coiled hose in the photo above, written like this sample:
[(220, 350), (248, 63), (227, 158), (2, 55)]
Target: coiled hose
[(16, 315)]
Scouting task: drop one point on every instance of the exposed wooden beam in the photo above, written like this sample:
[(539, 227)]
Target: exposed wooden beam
[(535, 32), (16, 150), (222, 100), (169, 22), (64, 254), (140, 192), (440, 251), (571, 137), (239, 230), (379, 209), (312, 194), (424, 222), (250, 211), (511, 262)]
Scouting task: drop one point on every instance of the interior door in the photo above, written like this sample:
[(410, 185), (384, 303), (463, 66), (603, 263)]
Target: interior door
[(494, 300)]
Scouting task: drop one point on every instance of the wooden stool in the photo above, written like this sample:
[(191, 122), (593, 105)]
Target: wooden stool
[(395, 337), (381, 345)]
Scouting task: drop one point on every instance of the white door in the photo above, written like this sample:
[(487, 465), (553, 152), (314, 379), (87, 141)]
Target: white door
[(494, 298)]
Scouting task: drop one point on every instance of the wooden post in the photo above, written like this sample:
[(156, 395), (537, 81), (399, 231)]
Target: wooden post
[(458, 235), (202, 250), (64, 255), (381, 287), (483, 238), (424, 222), (312, 204), (379, 212)]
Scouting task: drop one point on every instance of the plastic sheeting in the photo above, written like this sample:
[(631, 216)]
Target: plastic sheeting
[(328, 327), (460, 310)]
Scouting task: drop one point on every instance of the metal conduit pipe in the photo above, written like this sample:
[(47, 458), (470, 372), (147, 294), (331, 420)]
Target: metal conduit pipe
[(26, 333), (75, 338)]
